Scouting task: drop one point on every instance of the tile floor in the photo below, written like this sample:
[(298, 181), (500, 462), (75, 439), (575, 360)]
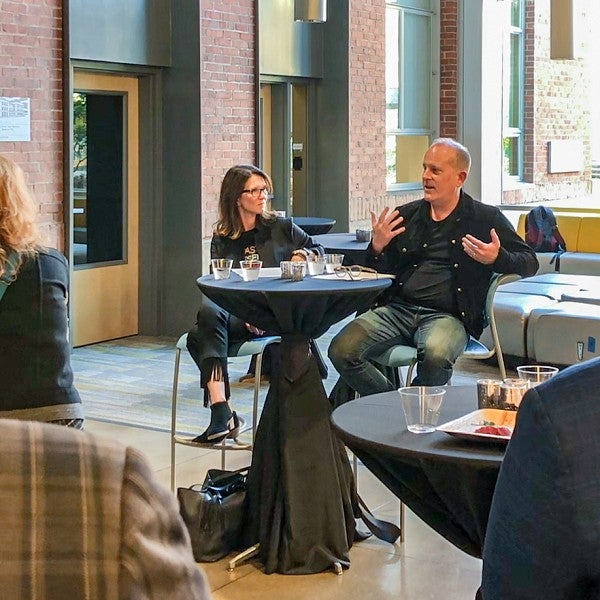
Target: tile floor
[(424, 566)]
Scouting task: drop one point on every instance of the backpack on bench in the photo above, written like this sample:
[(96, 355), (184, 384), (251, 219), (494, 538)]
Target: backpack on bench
[(542, 234)]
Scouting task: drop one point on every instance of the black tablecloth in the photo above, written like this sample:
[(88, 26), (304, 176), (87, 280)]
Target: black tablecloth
[(346, 244), (314, 225), (299, 491), (447, 481)]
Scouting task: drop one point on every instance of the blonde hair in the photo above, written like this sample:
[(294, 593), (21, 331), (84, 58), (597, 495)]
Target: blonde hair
[(18, 230)]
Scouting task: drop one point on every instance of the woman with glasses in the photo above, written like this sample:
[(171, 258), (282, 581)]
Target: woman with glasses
[(246, 230)]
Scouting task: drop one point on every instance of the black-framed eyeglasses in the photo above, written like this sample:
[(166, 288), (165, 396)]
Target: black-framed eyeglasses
[(256, 192), (355, 272)]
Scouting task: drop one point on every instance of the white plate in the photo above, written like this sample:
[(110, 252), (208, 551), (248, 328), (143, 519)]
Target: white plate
[(465, 426), (363, 276)]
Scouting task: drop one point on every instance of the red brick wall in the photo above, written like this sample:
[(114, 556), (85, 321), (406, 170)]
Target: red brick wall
[(557, 106), (367, 107), (448, 67), (367, 104), (228, 94), (31, 66)]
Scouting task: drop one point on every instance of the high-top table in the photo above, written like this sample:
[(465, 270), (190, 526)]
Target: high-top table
[(314, 225), (448, 482), (346, 244), (299, 492)]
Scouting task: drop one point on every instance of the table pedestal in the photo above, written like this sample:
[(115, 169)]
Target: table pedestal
[(299, 504)]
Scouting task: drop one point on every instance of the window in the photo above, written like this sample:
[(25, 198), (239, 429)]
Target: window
[(513, 93), (411, 92)]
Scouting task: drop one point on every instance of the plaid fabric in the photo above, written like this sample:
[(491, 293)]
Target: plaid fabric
[(83, 518)]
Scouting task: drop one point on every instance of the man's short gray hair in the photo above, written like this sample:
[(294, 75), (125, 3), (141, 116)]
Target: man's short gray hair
[(463, 156)]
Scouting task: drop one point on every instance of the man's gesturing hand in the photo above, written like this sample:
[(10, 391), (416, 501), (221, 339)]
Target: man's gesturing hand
[(385, 228), (480, 251)]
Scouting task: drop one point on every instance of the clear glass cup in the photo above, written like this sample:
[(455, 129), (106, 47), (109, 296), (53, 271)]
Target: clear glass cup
[(488, 393), (315, 264), (536, 374), (363, 235), (250, 269), (221, 267), (512, 391), (421, 406), (286, 269), (298, 270), (332, 261)]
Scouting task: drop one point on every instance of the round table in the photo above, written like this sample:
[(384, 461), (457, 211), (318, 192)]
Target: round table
[(447, 481), (299, 492), (346, 244), (314, 225)]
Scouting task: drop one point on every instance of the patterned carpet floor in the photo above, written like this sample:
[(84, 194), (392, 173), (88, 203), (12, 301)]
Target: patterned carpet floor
[(130, 381)]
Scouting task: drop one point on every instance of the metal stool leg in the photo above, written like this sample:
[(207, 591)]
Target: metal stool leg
[(174, 415), (242, 556)]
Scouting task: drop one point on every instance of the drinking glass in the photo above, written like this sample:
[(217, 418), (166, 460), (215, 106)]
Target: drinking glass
[(421, 405), (298, 270), (536, 374), (315, 264), (221, 267), (512, 391), (332, 261), (488, 393), (250, 269)]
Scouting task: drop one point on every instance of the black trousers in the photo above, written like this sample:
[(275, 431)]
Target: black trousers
[(217, 335)]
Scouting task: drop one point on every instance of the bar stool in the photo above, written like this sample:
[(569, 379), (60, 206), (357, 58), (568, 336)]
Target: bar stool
[(254, 347)]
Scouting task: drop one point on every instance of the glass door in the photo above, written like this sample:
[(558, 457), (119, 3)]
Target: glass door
[(105, 207)]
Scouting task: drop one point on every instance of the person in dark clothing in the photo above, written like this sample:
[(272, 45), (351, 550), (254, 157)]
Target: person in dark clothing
[(246, 230), (35, 369), (442, 250), (542, 540)]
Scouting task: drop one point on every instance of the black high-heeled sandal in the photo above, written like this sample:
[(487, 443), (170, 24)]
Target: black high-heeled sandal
[(218, 430)]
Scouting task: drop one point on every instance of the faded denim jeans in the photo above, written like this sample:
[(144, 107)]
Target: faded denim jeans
[(439, 338)]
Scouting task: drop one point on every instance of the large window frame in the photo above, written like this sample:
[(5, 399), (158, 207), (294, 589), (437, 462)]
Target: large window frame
[(412, 88), (514, 94)]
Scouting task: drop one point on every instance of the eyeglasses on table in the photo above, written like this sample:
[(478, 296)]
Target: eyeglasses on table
[(355, 272)]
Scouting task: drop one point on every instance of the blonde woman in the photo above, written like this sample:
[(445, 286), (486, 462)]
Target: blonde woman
[(37, 381)]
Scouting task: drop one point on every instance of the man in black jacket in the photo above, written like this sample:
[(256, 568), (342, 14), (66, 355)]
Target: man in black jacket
[(442, 250)]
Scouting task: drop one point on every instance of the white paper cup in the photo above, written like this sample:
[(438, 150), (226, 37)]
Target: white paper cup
[(332, 261), (221, 267), (536, 374), (421, 406), (250, 269)]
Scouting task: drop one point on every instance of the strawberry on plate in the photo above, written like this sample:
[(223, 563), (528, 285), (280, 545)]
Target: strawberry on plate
[(494, 430)]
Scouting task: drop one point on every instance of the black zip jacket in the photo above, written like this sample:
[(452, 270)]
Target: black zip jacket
[(471, 279)]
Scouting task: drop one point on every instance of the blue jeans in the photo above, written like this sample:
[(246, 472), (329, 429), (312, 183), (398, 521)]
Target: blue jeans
[(438, 337)]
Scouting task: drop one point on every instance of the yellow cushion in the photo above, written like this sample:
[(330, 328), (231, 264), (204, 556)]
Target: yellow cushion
[(589, 235), (568, 225), (570, 228)]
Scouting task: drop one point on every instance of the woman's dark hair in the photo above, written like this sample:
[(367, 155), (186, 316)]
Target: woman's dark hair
[(233, 184)]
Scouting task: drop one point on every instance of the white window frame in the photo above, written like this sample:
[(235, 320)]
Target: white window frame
[(404, 7)]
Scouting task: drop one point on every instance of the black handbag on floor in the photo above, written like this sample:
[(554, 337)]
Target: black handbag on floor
[(213, 513)]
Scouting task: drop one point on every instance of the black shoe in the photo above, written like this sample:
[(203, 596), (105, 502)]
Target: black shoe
[(217, 431)]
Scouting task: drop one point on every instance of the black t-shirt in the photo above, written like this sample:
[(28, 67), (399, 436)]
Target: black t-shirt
[(430, 285), (243, 248)]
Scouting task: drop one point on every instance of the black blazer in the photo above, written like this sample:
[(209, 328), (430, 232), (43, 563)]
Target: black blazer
[(35, 368), (543, 534)]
